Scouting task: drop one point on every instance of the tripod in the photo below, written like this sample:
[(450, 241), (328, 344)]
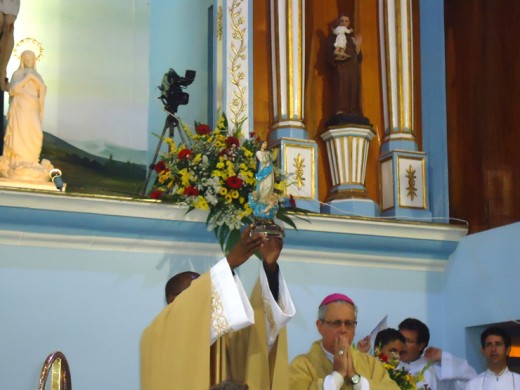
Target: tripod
[(169, 124)]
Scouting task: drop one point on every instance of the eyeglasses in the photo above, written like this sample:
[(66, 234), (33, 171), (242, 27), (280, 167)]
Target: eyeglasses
[(349, 324)]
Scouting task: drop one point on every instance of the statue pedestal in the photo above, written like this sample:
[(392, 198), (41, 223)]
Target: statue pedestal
[(299, 163), (30, 184), (347, 150), (403, 185)]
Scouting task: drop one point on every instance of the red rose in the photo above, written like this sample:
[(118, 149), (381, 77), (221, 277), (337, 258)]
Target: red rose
[(191, 191), (160, 166), (184, 153), (202, 129), (156, 194), (383, 358), (232, 141), (292, 201), (234, 182)]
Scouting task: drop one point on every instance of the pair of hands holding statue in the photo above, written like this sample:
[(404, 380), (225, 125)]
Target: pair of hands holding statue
[(269, 249)]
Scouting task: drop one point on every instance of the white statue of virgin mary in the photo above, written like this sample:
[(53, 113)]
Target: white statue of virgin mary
[(24, 136)]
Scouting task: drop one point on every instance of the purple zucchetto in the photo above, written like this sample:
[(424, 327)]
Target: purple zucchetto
[(336, 297)]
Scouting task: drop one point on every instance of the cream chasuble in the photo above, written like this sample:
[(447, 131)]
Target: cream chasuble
[(308, 371), (177, 350)]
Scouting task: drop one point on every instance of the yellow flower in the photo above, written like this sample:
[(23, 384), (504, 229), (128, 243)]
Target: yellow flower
[(220, 165), (241, 200), (185, 177), (201, 203), (197, 158), (223, 191), (164, 176), (279, 186), (220, 122), (234, 194), (171, 144), (247, 153), (247, 210), (180, 191), (170, 185), (229, 198)]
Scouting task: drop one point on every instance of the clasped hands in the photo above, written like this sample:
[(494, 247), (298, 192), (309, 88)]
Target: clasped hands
[(269, 249), (343, 361)]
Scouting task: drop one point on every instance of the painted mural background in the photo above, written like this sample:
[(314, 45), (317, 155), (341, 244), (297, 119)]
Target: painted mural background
[(95, 66)]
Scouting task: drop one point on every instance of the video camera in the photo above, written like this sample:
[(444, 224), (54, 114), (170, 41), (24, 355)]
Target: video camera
[(171, 88)]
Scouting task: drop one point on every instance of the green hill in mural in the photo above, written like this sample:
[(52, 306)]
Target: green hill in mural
[(90, 174)]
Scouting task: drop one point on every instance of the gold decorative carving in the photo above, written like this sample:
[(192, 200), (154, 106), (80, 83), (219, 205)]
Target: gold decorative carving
[(411, 189), (238, 49), (220, 15), (299, 164)]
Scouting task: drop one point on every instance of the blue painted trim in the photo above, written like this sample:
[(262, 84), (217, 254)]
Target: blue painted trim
[(288, 132), (434, 126), (343, 187), (391, 146)]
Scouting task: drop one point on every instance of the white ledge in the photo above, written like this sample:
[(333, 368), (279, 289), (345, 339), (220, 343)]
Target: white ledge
[(123, 224), (144, 208)]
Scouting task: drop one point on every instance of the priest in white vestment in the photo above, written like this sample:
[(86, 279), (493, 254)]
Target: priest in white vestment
[(445, 371), (496, 346), (175, 348)]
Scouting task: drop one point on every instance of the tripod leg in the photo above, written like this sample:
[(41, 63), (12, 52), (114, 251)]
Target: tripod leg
[(167, 125)]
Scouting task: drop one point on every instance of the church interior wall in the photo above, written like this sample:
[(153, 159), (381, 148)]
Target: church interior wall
[(481, 288), (93, 303)]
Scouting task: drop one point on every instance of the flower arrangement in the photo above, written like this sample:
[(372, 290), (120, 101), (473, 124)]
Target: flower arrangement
[(214, 170), (401, 376)]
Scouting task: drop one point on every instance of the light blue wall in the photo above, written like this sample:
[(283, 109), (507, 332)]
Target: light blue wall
[(481, 287), (433, 84), (91, 305), (178, 40), (376, 291), (85, 276)]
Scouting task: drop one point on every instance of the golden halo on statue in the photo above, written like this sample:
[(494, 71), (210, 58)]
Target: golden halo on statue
[(31, 44)]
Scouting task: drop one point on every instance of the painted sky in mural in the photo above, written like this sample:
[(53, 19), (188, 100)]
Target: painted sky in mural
[(95, 66)]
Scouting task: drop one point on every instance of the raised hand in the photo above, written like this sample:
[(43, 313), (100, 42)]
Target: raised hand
[(363, 345), (270, 252), (245, 247), (433, 354)]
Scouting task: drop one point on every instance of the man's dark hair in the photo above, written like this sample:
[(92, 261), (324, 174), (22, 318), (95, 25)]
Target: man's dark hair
[(387, 336), (229, 385), (178, 284), (495, 331), (423, 333)]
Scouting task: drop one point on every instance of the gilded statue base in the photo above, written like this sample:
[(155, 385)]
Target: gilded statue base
[(267, 227)]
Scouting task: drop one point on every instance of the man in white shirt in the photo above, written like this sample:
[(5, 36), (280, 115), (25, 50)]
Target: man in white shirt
[(496, 346), (445, 371)]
